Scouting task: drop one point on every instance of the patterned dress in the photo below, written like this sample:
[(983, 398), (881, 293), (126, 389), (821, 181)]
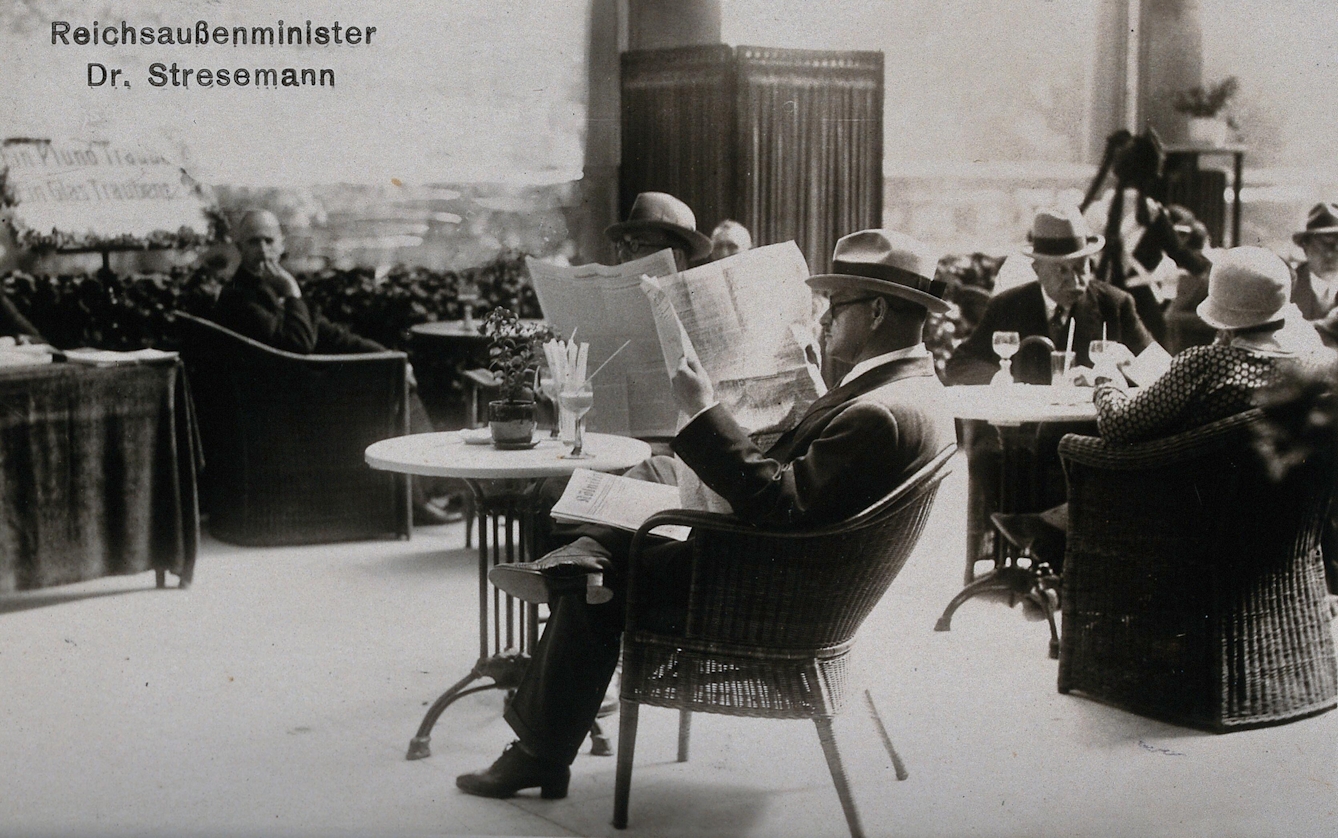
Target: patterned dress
[(1203, 384)]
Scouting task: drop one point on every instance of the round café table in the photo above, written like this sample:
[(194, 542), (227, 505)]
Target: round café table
[(1007, 409), (505, 486)]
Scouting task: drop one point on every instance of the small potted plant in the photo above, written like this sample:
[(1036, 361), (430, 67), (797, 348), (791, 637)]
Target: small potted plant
[(1205, 104), (514, 357)]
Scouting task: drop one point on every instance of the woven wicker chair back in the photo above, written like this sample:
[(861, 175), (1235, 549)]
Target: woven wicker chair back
[(283, 437), (1193, 584)]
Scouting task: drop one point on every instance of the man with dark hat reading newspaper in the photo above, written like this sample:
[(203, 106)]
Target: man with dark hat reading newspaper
[(867, 435), (657, 221)]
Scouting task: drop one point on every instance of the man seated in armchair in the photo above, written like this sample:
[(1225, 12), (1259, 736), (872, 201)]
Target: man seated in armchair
[(264, 302), (880, 425)]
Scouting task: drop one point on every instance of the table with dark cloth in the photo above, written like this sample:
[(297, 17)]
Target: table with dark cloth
[(97, 473)]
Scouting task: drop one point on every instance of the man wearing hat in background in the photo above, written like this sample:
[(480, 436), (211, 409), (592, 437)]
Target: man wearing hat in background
[(867, 435), (1065, 292), (657, 221), (1247, 305), (1315, 289)]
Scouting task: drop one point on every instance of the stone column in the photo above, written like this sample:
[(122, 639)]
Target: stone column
[(1136, 90), (598, 205), (1170, 60)]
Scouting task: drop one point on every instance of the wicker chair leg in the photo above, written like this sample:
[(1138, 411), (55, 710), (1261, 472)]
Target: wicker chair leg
[(684, 732), (622, 783), (828, 740)]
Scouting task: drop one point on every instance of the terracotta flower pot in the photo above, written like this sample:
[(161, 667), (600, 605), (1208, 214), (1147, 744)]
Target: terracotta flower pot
[(511, 423)]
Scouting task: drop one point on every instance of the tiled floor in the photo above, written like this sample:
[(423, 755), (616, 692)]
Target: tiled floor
[(278, 694)]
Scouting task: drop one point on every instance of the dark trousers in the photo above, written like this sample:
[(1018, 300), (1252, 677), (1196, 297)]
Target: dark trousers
[(570, 669)]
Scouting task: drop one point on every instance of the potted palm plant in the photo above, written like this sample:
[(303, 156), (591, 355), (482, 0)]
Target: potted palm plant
[(1205, 105), (514, 356)]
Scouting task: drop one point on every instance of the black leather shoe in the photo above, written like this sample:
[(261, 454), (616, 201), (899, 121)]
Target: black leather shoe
[(515, 770), (558, 572)]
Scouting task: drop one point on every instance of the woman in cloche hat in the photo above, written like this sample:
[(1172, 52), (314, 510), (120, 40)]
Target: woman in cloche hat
[(1248, 291)]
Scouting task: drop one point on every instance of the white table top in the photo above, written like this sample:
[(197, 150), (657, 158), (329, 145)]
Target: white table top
[(1019, 403), (446, 454)]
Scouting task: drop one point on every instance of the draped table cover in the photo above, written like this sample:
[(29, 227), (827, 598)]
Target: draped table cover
[(97, 473)]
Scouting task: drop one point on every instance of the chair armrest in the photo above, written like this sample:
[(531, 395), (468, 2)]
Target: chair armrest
[(1096, 452)]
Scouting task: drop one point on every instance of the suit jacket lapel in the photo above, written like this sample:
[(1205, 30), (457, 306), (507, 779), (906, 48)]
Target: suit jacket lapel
[(869, 381)]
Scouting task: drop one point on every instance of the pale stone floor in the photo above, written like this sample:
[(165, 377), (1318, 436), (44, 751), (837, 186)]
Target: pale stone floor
[(277, 696)]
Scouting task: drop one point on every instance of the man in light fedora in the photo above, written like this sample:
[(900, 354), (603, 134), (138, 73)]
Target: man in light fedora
[(880, 425), (1061, 251), (657, 221), (1315, 289)]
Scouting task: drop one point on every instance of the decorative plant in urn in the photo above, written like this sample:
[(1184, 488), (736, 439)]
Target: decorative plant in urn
[(1206, 107), (514, 357)]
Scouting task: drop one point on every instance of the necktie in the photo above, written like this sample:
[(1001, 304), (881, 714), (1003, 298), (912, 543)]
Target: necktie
[(1059, 327)]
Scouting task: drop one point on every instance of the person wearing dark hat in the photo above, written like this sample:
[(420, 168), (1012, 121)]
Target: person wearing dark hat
[(1315, 289), (1064, 292), (657, 221), (854, 445)]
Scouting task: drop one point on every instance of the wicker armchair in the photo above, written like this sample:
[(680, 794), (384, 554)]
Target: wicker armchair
[(1193, 588), (770, 623), (283, 438)]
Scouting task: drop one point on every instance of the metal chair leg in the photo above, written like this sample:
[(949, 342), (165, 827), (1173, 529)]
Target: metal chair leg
[(622, 783), (684, 732), (828, 740)]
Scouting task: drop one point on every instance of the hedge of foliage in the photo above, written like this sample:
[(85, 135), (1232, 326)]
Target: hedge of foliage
[(970, 279), (133, 312)]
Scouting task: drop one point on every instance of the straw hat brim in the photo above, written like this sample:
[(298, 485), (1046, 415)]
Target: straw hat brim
[(849, 282), (698, 244), (1299, 238), (1093, 246)]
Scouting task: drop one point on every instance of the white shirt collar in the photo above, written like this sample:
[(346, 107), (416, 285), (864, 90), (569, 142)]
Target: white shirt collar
[(916, 351), (1050, 305)]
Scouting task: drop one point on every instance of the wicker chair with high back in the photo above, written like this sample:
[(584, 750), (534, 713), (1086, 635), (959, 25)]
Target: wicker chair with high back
[(1193, 589), (283, 437), (770, 622)]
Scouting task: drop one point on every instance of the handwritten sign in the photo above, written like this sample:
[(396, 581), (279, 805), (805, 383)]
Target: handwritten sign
[(100, 195)]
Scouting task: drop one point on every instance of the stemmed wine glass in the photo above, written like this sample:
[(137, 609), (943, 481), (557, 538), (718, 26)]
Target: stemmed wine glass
[(1005, 346), (577, 400), (468, 296), (549, 386)]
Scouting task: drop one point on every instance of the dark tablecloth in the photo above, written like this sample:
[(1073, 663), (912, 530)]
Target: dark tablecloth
[(97, 473)]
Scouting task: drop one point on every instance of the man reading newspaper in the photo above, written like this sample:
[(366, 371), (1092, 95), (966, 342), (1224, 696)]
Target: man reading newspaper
[(853, 446)]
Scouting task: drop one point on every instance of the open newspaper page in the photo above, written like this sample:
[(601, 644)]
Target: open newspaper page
[(599, 498), (750, 319), (604, 305)]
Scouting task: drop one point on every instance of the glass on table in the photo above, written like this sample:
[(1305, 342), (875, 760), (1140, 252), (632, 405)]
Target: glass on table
[(577, 402), (548, 385), (1005, 346), (1060, 364)]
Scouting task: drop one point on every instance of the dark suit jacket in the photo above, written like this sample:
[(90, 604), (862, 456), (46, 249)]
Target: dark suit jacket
[(14, 324), (1022, 310), (852, 447), (253, 307), (1303, 294)]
